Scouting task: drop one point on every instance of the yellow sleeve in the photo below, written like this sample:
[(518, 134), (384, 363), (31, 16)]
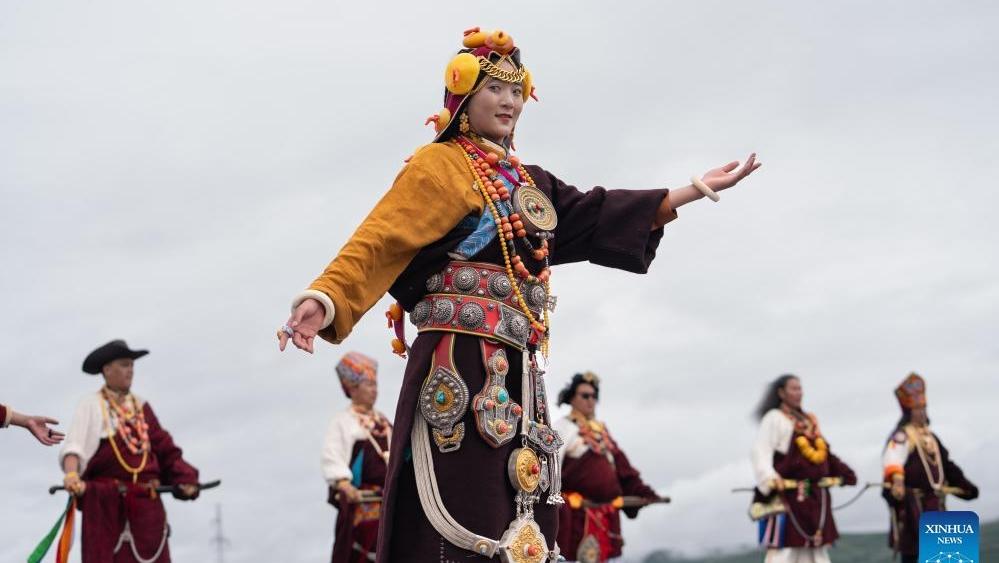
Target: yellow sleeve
[(427, 199)]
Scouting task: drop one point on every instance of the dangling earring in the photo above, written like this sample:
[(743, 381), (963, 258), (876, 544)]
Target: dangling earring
[(463, 123)]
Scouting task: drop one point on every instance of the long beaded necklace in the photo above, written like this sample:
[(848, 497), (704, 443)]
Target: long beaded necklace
[(123, 420), (375, 426), (509, 225), (926, 447)]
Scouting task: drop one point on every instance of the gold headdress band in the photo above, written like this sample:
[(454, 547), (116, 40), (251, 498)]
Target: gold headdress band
[(493, 69)]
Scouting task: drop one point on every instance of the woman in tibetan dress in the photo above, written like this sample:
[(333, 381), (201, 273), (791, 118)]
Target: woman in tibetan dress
[(464, 240), (794, 470)]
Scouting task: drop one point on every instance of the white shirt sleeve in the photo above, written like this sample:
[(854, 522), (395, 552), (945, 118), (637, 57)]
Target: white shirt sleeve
[(896, 452), (774, 435), (572, 443), (85, 431), (341, 434)]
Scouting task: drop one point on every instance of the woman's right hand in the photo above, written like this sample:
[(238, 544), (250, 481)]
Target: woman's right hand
[(305, 323), (348, 492), (74, 484)]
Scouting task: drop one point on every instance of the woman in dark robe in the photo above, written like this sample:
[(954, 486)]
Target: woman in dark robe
[(464, 240)]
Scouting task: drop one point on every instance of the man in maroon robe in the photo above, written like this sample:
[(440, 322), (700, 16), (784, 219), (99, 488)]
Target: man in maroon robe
[(115, 455), (596, 475), (918, 471)]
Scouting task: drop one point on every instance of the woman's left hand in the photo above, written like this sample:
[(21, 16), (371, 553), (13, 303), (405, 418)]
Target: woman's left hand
[(727, 176)]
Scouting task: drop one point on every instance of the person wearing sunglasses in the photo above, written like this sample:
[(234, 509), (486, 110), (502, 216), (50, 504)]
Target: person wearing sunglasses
[(596, 475)]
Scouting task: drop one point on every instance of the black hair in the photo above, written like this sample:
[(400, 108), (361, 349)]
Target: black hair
[(771, 397), (569, 391)]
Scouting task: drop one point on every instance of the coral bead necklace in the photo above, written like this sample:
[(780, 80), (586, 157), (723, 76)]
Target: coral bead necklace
[(486, 170)]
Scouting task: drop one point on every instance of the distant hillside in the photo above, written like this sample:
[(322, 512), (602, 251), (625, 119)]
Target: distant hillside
[(851, 548)]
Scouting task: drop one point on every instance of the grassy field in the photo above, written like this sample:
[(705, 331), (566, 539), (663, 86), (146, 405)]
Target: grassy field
[(851, 548)]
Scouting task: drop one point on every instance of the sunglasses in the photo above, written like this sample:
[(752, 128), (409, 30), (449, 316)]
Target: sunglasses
[(586, 396)]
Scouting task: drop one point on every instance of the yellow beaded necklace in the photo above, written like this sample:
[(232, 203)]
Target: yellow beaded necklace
[(114, 447), (541, 326)]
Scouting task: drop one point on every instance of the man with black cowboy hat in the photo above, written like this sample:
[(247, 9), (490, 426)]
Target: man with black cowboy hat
[(596, 476), (115, 455)]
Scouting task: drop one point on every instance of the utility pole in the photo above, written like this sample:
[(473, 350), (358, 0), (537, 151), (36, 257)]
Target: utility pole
[(219, 539)]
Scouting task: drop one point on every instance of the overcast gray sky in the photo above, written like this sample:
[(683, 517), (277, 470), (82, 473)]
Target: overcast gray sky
[(173, 173)]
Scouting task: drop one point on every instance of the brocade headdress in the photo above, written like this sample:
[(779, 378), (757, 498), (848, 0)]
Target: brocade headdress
[(482, 57), (911, 393), (354, 368)]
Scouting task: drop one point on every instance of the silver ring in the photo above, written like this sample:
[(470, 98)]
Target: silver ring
[(287, 330)]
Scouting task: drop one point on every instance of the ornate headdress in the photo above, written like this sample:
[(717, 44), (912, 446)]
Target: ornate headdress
[(354, 368), (569, 391), (911, 393), (483, 56)]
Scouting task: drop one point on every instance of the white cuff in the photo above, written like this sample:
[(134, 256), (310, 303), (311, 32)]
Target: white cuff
[(320, 297), (10, 416), (765, 486)]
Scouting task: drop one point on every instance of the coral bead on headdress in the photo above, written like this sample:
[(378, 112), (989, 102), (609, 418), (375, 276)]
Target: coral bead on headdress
[(483, 56)]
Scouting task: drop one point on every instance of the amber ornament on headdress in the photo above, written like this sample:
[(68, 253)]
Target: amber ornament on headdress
[(464, 70)]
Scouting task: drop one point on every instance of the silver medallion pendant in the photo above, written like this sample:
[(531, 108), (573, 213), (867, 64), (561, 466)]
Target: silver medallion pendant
[(535, 209), (443, 400), (544, 437), (496, 414)]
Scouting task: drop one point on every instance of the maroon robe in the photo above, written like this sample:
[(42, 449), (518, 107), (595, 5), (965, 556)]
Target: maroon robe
[(808, 510), (600, 481), (906, 512), (606, 227), (3, 415), (106, 510), (356, 531)]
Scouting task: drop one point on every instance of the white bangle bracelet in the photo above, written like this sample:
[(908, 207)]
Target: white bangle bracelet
[(700, 185)]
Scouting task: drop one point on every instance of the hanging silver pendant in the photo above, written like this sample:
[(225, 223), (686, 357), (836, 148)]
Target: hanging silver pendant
[(496, 413), (443, 400)]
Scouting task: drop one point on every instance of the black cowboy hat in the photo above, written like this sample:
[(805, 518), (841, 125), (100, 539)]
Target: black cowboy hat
[(108, 353)]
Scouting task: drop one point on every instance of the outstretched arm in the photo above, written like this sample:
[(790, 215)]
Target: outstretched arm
[(716, 180), (36, 425)]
